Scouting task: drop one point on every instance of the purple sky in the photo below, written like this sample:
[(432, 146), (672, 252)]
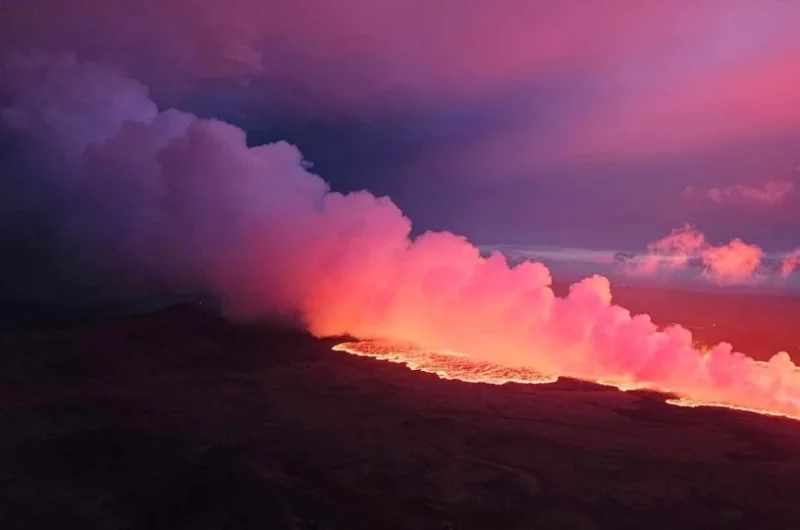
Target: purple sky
[(576, 123)]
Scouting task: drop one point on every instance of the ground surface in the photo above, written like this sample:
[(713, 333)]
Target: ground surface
[(178, 420)]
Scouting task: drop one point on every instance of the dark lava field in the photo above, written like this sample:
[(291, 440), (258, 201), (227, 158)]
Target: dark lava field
[(180, 420)]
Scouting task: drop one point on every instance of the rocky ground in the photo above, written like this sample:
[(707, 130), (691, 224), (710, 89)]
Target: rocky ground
[(179, 420)]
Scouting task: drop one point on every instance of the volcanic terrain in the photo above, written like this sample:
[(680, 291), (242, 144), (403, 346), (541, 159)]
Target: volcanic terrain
[(181, 420)]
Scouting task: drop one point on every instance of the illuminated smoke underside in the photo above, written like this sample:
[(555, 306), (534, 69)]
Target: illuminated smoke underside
[(461, 367)]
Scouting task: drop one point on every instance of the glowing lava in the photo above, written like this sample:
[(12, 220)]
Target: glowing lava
[(690, 403), (462, 367), (446, 364)]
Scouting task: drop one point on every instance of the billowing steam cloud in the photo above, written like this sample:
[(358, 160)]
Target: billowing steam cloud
[(142, 197), (732, 263)]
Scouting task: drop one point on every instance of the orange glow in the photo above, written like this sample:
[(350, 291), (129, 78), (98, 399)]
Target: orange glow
[(684, 402), (445, 364), (462, 367)]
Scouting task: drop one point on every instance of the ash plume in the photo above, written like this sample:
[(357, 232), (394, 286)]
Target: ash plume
[(124, 198)]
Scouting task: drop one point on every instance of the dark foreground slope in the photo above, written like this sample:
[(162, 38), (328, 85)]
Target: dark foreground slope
[(178, 420)]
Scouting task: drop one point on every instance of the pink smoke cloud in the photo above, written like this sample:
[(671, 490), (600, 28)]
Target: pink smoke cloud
[(672, 251), (733, 263), (736, 262), (790, 263)]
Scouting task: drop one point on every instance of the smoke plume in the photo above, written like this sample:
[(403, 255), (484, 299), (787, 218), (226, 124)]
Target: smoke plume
[(134, 198)]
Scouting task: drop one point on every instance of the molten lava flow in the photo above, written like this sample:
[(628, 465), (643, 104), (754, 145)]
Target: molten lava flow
[(689, 403), (446, 364), (462, 367)]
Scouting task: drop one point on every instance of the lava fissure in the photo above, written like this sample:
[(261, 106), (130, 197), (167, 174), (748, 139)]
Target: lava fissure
[(463, 367)]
